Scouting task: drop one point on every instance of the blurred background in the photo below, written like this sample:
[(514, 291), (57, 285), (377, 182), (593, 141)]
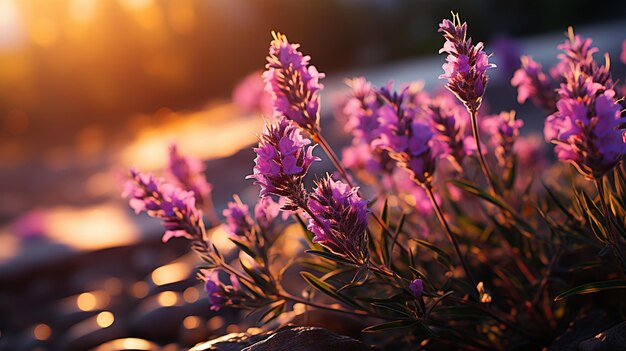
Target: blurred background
[(91, 87)]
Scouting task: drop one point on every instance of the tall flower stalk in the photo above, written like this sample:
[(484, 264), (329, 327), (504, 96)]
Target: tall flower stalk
[(466, 72), (414, 147), (587, 128), (294, 86)]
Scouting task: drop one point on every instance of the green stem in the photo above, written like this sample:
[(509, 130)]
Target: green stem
[(319, 138), (481, 157), (429, 190)]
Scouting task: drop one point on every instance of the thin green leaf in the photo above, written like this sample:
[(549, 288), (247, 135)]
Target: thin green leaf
[(245, 248), (384, 240), (496, 200), (262, 280), (329, 256), (325, 288), (275, 310), (399, 324), (393, 307), (385, 211), (440, 255), (592, 288), (397, 233), (559, 203), (475, 190)]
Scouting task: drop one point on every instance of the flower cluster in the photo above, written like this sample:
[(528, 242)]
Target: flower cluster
[(338, 218), (293, 83), (265, 212), (532, 83), (221, 294), (466, 64), (450, 123), (238, 222), (504, 130), (283, 158), (397, 271), (577, 54), (176, 207), (250, 96), (362, 111), (586, 127), (188, 173), (409, 141)]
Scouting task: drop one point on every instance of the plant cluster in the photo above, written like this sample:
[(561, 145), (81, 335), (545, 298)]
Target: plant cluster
[(461, 233)]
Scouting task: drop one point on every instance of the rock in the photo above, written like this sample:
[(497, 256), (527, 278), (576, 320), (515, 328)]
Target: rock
[(289, 338), (612, 339), (583, 328)]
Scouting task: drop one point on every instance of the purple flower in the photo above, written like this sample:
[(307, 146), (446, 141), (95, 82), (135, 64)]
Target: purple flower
[(578, 52), (506, 52), (265, 212), (188, 173), (413, 194), (176, 207), (220, 294), (362, 110), (338, 218), (504, 131), (450, 123), (528, 150), (283, 159), (410, 142), (250, 95), (586, 126), (417, 288), (238, 221), (293, 83), (466, 64), (532, 83), (622, 56), (365, 160)]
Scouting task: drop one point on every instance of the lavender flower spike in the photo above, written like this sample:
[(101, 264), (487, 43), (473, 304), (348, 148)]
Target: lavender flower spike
[(532, 83), (410, 142), (338, 218), (293, 83), (466, 64), (188, 173), (220, 294), (587, 127), (283, 159), (176, 207), (450, 122), (265, 212), (238, 221), (504, 130)]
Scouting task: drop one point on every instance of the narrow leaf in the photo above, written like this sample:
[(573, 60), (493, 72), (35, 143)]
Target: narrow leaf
[(329, 256), (325, 288), (592, 288), (399, 324)]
